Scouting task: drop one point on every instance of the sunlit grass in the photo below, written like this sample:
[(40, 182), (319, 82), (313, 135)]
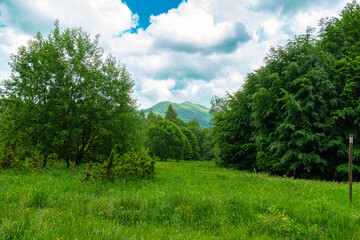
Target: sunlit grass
[(186, 200)]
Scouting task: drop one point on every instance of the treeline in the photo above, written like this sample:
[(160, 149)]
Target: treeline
[(294, 115), (170, 137), (66, 104)]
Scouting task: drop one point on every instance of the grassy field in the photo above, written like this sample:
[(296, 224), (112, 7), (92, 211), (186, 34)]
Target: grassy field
[(186, 200)]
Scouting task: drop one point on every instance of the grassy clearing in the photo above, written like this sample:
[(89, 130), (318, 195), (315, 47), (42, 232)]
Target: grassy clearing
[(186, 200)]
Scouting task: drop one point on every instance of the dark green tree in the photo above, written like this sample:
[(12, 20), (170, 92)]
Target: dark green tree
[(193, 123), (294, 98), (151, 118), (143, 123), (65, 97), (232, 131), (340, 37), (188, 151), (282, 121), (171, 114), (166, 140), (194, 145), (194, 126), (208, 144)]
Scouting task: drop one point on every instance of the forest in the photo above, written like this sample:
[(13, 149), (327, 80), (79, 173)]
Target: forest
[(294, 115), (78, 160), (66, 105)]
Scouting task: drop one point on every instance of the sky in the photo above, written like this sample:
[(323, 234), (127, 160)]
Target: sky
[(174, 50)]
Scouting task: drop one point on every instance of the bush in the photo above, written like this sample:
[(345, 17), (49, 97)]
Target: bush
[(133, 164), (25, 160), (54, 162), (12, 157)]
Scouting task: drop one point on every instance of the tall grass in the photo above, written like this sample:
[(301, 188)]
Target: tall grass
[(185, 200)]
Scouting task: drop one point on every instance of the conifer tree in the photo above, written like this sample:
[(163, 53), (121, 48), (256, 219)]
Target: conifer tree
[(171, 114)]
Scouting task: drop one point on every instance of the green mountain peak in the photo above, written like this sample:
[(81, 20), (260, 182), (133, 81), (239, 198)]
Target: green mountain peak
[(186, 111)]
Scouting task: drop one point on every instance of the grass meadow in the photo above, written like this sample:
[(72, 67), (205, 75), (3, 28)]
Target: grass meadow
[(185, 200)]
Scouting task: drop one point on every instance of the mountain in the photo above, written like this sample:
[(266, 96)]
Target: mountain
[(186, 111)]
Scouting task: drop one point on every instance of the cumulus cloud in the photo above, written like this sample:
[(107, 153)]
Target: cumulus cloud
[(191, 28), (160, 90), (176, 65), (190, 53), (10, 39), (107, 17), (185, 43), (291, 7)]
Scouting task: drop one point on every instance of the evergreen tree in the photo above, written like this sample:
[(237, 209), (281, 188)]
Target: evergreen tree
[(193, 123), (293, 116), (171, 115)]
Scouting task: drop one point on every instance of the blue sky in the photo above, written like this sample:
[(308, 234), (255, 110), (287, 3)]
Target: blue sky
[(145, 9), (175, 50)]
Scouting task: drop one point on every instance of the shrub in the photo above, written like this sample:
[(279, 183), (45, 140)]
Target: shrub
[(131, 164), (33, 163), (54, 162), (26, 160), (17, 159)]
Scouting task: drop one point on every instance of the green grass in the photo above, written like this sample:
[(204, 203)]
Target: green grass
[(186, 200)]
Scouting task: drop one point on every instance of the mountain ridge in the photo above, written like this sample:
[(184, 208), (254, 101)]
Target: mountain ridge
[(186, 111)]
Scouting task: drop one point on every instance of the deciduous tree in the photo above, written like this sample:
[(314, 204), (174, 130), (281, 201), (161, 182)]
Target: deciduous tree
[(166, 140), (65, 97)]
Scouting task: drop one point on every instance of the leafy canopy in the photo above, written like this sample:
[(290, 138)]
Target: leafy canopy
[(166, 140), (65, 97)]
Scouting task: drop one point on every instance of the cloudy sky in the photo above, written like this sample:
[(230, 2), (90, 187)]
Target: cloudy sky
[(175, 50)]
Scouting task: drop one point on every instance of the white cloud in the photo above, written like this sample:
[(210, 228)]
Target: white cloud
[(107, 17), (272, 27), (202, 48), (192, 28), (190, 24), (132, 44), (10, 39), (9, 43), (303, 20), (227, 70), (158, 90)]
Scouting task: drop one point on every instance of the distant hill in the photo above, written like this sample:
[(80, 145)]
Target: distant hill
[(186, 111)]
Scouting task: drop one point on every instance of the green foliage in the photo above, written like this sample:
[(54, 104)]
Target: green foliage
[(193, 144), (34, 163), (192, 133), (53, 162), (65, 97), (21, 161), (208, 144), (137, 164), (293, 115), (232, 132), (171, 114), (188, 151), (166, 140), (193, 123)]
